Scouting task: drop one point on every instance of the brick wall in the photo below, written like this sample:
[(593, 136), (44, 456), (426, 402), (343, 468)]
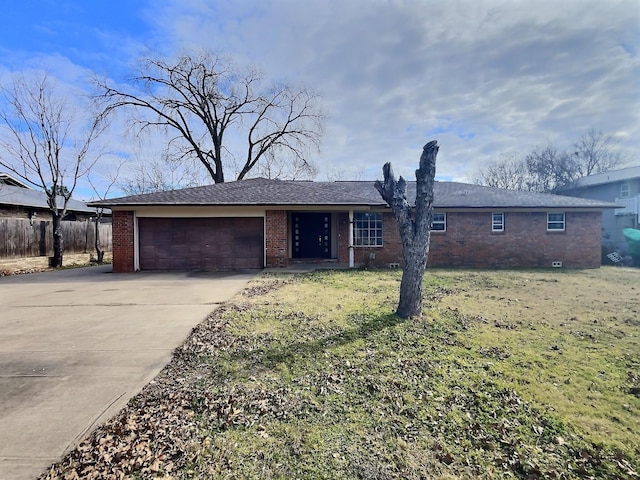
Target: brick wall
[(525, 241), (277, 243), (123, 242), (391, 252), (469, 242)]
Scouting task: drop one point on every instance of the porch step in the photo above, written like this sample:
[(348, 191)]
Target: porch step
[(314, 260)]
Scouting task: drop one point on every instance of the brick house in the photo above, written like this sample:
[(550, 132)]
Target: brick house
[(258, 222)]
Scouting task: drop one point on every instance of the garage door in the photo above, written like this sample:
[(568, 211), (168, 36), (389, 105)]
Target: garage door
[(201, 243)]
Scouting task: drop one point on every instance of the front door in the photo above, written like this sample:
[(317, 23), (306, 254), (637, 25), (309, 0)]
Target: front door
[(311, 235)]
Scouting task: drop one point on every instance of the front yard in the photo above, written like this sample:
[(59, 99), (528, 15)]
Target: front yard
[(525, 374)]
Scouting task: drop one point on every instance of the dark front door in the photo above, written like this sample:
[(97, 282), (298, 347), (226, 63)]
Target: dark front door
[(311, 235)]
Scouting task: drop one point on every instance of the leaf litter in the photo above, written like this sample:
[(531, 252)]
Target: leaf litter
[(370, 397)]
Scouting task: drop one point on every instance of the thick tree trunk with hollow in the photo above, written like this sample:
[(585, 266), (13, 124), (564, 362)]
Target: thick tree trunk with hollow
[(414, 225), (58, 246), (99, 251)]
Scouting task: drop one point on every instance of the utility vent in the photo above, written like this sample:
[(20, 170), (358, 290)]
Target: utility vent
[(615, 257), (394, 265), (556, 264)]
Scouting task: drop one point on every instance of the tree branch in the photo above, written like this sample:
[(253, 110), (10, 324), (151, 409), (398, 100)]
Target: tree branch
[(202, 96)]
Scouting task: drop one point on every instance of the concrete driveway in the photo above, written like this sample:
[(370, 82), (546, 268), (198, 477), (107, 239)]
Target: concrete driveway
[(76, 344)]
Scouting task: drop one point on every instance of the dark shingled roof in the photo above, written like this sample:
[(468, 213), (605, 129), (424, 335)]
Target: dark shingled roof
[(261, 191)]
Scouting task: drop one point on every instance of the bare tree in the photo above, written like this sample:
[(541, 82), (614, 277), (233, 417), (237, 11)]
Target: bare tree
[(211, 107), (151, 175), (46, 142), (102, 193), (508, 171), (340, 173), (595, 153), (549, 169), (544, 169), (275, 165), (414, 225)]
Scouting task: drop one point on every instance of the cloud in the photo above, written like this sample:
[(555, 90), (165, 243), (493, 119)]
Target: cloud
[(481, 77)]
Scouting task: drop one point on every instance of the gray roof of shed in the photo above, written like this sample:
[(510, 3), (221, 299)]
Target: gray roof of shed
[(261, 191), (25, 197)]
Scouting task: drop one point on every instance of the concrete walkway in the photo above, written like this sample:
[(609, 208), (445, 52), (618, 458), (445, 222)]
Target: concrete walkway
[(76, 344)]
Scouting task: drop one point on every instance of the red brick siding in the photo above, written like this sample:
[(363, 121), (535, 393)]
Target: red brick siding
[(525, 242), (390, 252), (277, 240), (469, 242), (123, 244)]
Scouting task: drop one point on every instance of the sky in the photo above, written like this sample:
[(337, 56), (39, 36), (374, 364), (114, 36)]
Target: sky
[(482, 77)]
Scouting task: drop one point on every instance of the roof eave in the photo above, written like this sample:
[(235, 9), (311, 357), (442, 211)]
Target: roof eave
[(239, 204), (343, 205)]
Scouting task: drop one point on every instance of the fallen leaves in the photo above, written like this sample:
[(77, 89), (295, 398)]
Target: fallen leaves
[(270, 390)]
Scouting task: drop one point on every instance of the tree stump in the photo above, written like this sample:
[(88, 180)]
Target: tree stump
[(414, 225)]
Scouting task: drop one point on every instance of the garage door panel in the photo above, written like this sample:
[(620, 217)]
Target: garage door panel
[(178, 250), (223, 237), (162, 264), (223, 250), (161, 238), (195, 248), (179, 237), (201, 243), (193, 236), (193, 264)]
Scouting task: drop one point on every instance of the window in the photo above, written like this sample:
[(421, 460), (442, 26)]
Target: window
[(555, 222), (497, 222), (439, 222), (624, 190), (367, 229)]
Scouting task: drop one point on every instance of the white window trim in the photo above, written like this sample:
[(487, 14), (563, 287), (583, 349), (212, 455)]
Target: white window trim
[(563, 221), (625, 190), (495, 224), (444, 222), (356, 238)]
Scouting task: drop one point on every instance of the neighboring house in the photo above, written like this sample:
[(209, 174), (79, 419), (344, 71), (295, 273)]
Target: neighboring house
[(6, 179), (23, 202), (621, 187), (258, 222), (26, 229)]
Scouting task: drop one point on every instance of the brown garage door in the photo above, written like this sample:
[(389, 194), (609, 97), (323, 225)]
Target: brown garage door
[(200, 243)]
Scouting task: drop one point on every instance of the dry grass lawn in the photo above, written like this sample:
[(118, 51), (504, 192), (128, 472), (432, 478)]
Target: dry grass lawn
[(509, 374)]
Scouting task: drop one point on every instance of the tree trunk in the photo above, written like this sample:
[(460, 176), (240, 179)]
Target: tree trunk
[(99, 251), (414, 265), (58, 247), (414, 225)]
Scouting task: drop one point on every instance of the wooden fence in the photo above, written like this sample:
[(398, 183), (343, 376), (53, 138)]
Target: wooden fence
[(21, 238)]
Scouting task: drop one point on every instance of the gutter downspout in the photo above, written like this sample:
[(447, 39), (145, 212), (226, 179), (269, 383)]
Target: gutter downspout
[(136, 243), (351, 259)]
